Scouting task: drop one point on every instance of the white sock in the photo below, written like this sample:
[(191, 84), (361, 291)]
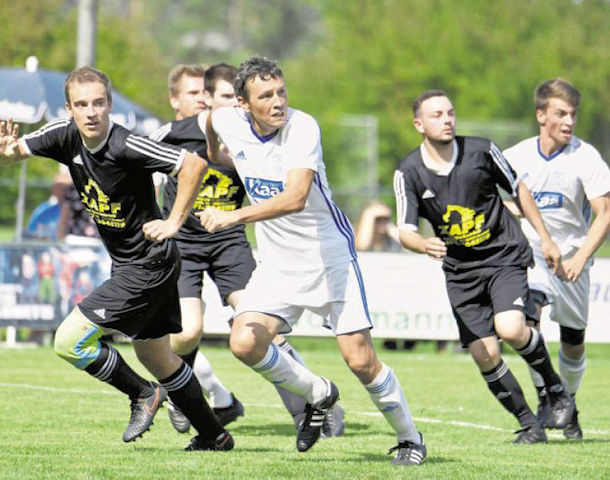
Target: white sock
[(281, 369), (294, 403), (389, 398), (572, 371), (218, 395)]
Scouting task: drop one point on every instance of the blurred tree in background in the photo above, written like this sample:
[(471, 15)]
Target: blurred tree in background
[(343, 60)]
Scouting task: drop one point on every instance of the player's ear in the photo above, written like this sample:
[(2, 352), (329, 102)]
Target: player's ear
[(174, 102), (541, 116), (68, 109), (243, 103), (417, 123)]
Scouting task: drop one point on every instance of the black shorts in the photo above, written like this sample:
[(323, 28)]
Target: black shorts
[(477, 294), (229, 264), (140, 299)]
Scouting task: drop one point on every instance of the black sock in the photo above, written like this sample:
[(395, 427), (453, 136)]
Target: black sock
[(537, 356), (185, 392), (110, 367), (189, 358), (505, 388)]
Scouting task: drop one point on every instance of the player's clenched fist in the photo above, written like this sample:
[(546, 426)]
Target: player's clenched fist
[(214, 220)]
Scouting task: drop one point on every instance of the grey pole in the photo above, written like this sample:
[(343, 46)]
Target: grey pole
[(87, 26)]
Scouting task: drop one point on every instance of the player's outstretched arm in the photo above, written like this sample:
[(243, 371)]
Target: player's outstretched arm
[(550, 251), (291, 200), (433, 247), (11, 148), (574, 265), (189, 181)]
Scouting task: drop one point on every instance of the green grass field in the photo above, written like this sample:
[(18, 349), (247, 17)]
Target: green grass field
[(57, 422)]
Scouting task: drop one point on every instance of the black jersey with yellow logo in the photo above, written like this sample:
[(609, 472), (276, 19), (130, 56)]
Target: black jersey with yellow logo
[(114, 180), (221, 187), (464, 206)]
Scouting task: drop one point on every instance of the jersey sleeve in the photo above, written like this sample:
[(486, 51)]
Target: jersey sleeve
[(50, 140), (502, 172), (407, 203), (161, 133), (595, 177), (153, 156), (303, 148)]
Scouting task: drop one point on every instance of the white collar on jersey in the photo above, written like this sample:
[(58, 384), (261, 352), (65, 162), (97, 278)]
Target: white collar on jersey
[(433, 165), (101, 145), (570, 146)]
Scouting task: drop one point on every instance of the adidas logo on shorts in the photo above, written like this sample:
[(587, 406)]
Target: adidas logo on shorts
[(518, 302), (100, 312)]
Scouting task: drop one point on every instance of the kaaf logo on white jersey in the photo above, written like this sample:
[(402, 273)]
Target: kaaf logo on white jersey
[(548, 199), (262, 189)]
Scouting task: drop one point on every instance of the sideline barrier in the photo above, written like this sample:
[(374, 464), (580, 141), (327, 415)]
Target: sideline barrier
[(41, 282), (407, 299)]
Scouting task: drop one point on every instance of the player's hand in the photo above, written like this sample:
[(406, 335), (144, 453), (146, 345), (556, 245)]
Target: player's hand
[(159, 230), (435, 248), (573, 267), (214, 220), (9, 135), (552, 256)]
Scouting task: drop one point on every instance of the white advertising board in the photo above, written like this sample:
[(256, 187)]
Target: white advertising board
[(407, 299)]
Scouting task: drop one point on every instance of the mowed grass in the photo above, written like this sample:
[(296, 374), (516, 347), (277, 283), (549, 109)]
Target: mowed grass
[(57, 422)]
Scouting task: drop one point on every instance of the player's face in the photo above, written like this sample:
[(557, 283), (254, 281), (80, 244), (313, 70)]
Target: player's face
[(224, 95), (557, 121), (267, 103), (90, 108), (191, 97), (436, 120)]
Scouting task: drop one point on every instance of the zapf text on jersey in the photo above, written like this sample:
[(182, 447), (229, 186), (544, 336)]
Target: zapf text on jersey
[(98, 204), (463, 227), (262, 189)]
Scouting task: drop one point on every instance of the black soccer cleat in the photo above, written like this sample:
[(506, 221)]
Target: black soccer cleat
[(409, 453), (562, 408), (572, 430), (310, 429), (334, 422), (143, 412), (223, 442), (229, 414), (530, 435), (178, 419)]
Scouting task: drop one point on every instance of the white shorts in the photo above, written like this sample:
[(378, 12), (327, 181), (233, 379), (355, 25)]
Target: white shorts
[(335, 293), (569, 302)]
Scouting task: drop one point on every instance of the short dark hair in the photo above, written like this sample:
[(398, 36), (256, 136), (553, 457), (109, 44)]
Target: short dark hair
[(556, 88), (425, 96), (261, 67), (220, 71), (176, 74), (84, 75)]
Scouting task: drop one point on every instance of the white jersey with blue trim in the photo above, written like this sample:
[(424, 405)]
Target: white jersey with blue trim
[(318, 236), (562, 185)]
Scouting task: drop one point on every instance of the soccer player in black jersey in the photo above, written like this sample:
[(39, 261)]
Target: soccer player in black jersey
[(225, 255), (111, 169), (451, 181)]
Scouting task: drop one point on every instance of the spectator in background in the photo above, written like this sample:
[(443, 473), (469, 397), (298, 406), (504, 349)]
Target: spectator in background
[(374, 231)]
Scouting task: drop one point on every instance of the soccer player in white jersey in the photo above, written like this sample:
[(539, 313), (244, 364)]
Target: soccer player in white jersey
[(306, 251), (568, 178)]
